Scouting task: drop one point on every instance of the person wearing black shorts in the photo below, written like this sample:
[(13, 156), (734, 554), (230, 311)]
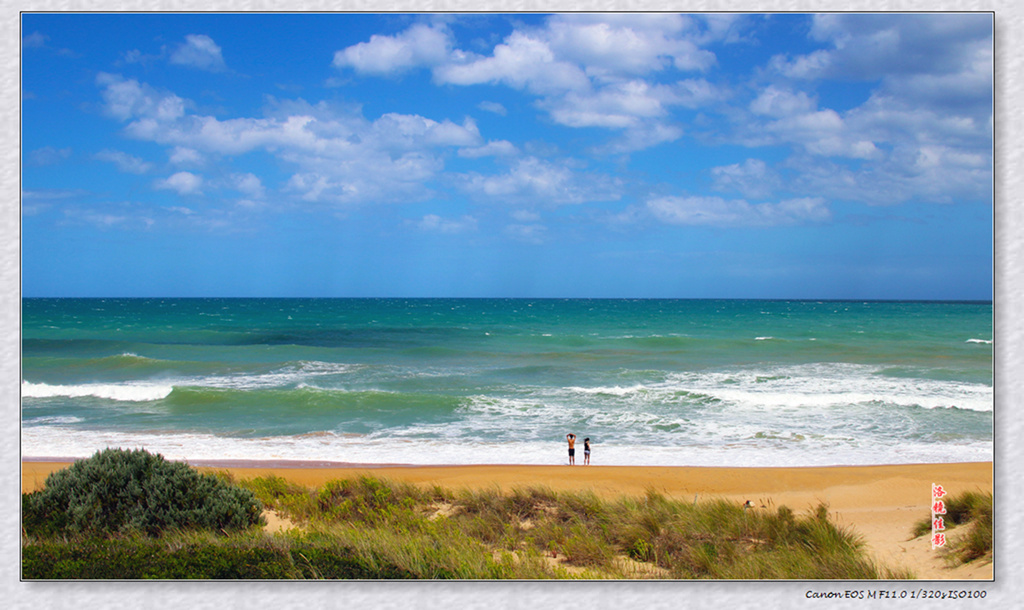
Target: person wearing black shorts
[(572, 448), (586, 451)]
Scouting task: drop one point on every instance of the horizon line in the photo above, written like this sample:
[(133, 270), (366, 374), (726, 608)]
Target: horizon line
[(534, 298)]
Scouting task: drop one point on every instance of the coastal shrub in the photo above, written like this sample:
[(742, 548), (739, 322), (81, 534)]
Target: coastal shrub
[(582, 548), (583, 507), (117, 491), (640, 550), (276, 493), (524, 504), (366, 499), (131, 558), (720, 539), (373, 529), (445, 553), (968, 506), (270, 489)]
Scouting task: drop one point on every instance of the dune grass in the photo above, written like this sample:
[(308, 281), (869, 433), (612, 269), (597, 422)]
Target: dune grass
[(972, 509), (653, 536), (370, 528)]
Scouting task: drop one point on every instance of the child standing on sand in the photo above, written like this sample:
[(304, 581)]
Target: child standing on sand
[(572, 448), (586, 451)]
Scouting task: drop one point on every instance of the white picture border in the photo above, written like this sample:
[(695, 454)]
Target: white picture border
[(462, 595)]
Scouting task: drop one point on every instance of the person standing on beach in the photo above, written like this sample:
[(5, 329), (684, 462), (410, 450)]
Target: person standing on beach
[(586, 451), (572, 448)]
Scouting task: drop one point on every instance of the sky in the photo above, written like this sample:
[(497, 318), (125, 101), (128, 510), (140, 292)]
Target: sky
[(608, 155)]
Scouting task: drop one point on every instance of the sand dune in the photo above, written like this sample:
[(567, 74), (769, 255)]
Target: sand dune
[(881, 503)]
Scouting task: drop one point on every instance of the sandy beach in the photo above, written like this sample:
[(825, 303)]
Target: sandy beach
[(881, 503)]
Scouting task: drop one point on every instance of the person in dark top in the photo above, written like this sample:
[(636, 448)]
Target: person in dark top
[(572, 448), (586, 451)]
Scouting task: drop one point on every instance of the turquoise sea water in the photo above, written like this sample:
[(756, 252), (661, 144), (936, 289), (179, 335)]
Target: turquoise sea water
[(449, 381)]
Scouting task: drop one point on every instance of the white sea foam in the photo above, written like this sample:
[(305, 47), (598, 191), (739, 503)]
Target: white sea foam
[(129, 392), (828, 408), (52, 421), (61, 442), (985, 341), (291, 375), (832, 384), (813, 385), (611, 390)]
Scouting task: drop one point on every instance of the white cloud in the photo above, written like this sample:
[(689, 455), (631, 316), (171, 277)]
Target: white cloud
[(793, 118), (619, 105), (134, 56), (180, 155), (373, 176), (337, 155), (183, 183), (931, 76), (531, 180), (231, 136), (924, 132), (436, 224), (627, 44), (752, 178), (715, 211), (528, 233), (725, 27), (588, 70), (111, 216), (249, 185), (525, 216), (33, 40), (696, 93), (494, 107), (494, 148), (931, 173), (645, 135), (522, 62), (810, 66), (598, 70), (301, 127), (873, 46), (125, 162), (412, 131), (823, 132), (199, 51), (639, 110), (777, 103), (127, 98), (51, 194), (420, 45), (100, 219), (932, 59), (48, 155)]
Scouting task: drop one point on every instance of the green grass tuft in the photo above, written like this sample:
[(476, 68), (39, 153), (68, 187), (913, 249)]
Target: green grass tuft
[(971, 509), (370, 528)]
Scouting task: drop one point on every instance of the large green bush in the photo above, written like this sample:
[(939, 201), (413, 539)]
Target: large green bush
[(121, 491)]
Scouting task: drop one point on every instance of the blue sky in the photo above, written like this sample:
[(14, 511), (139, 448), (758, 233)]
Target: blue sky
[(510, 155)]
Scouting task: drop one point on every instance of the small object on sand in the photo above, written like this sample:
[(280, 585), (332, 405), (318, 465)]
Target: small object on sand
[(748, 504)]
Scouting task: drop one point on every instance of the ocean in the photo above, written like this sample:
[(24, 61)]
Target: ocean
[(502, 381)]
